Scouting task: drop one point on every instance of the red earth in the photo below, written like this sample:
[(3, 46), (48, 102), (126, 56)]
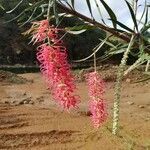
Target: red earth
[(30, 119)]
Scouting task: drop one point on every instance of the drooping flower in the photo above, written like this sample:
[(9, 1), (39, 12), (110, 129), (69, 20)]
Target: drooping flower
[(54, 65), (97, 104), (98, 111)]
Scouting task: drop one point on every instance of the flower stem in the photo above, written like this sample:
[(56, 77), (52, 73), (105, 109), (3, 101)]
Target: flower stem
[(95, 62), (118, 88), (48, 17), (147, 66), (48, 10)]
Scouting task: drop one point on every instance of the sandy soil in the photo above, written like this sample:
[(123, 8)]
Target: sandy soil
[(30, 120)]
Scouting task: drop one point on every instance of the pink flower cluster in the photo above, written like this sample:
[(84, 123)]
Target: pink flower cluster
[(97, 104), (41, 30), (54, 65)]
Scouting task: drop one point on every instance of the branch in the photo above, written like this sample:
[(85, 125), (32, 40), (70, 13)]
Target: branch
[(122, 36)]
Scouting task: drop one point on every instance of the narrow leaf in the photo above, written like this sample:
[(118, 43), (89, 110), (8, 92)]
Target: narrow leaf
[(71, 7), (15, 18), (99, 10), (76, 32), (145, 28), (146, 16), (145, 7), (29, 17), (55, 11), (109, 43), (123, 26), (117, 51), (96, 49), (142, 80), (147, 73), (132, 15), (80, 27), (42, 12), (15, 7), (2, 7), (110, 12), (89, 6), (27, 9), (72, 3)]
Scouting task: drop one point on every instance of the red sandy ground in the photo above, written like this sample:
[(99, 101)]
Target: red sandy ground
[(40, 125)]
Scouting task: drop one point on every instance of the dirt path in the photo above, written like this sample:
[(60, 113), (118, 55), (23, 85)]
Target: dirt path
[(30, 120)]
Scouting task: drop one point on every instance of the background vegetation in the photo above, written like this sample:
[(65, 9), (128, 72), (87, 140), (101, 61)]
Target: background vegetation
[(15, 47)]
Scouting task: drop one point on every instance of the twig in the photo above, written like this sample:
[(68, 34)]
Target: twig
[(123, 36)]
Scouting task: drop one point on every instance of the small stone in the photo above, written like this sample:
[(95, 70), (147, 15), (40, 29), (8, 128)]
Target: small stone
[(25, 102), (13, 101), (31, 102), (130, 103), (141, 106), (88, 113), (21, 102), (8, 97), (128, 80), (147, 119), (16, 104), (24, 94), (85, 113)]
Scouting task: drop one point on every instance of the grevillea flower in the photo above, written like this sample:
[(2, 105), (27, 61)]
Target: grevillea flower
[(97, 104), (98, 111), (54, 65)]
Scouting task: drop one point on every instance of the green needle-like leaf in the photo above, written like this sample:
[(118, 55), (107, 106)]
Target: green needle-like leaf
[(78, 29), (110, 12), (55, 11), (123, 26), (146, 16), (2, 7), (72, 3), (15, 7), (132, 15), (89, 6)]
